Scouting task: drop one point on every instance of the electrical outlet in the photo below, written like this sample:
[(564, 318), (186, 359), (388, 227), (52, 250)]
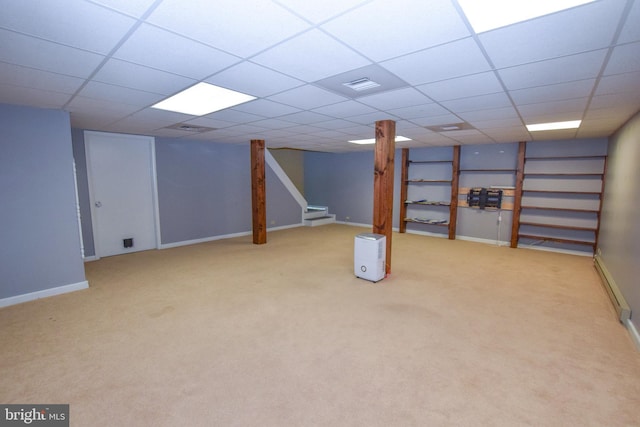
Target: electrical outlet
[(273, 222), (347, 218)]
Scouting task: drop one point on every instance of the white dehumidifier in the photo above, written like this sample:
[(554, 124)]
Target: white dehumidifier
[(370, 253)]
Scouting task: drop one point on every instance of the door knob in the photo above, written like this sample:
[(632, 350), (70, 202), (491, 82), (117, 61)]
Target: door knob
[(98, 204)]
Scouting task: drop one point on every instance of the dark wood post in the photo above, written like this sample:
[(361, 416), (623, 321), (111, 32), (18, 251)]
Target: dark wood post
[(517, 195), (258, 192), (455, 179), (383, 183)]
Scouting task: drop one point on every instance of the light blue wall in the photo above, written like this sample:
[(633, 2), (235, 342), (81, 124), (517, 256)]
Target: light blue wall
[(619, 242), (38, 222), (204, 190), (344, 183)]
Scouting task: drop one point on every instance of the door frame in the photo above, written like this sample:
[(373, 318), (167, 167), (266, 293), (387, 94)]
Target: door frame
[(151, 145)]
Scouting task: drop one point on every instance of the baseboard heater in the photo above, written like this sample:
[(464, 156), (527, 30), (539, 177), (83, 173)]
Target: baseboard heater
[(616, 297)]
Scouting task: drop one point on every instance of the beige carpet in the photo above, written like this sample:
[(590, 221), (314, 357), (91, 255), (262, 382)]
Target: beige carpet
[(228, 333)]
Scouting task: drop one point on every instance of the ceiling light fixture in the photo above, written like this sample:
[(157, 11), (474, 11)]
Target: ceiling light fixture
[(573, 124), (361, 84), (373, 140), (491, 14), (203, 98)]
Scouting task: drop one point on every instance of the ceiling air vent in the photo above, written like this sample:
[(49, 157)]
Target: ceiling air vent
[(361, 84), (190, 128)]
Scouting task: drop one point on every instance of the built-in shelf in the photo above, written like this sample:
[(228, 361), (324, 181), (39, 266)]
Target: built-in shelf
[(426, 204), (595, 171)]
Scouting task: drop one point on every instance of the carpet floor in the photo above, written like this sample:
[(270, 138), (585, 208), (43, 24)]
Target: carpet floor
[(228, 333)]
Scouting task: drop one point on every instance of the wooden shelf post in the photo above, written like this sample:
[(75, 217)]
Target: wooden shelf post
[(455, 179), (403, 189), (517, 197)]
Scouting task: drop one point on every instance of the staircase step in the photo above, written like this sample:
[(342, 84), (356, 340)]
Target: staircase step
[(322, 220)]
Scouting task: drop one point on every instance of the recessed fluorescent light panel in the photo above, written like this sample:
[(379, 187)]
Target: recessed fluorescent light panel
[(202, 99), (487, 15), (373, 140), (573, 124)]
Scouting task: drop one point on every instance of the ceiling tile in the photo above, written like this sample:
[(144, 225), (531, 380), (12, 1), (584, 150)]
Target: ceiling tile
[(28, 77), (134, 8), (631, 30), (474, 103), (305, 117), (135, 76), (43, 55), (557, 92), (624, 59), (461, 87), (75, 23), (571, 106), (436, 120), (443, 62), (576, 30), (254, 79), (619, 83), (383, 29), (173, 53), (32, 97), (235, 116), (307, 97), (113, 93), (345, 109), (240, 28), (489, 114), (559, 70), (266, 108), (311, 56), (418, 111), (318, 11), (399, 98)]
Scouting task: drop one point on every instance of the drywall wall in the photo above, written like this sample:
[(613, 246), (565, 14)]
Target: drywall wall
[(204, 190), (38, 220), (344, 183), (619, 242)]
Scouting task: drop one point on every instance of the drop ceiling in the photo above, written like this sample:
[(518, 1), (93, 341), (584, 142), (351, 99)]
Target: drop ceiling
[(107, 61)]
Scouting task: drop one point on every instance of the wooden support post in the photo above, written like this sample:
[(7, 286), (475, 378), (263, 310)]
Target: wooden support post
[(258, 192), (383, 183), (517, 197), (455, 178), (403, 190)]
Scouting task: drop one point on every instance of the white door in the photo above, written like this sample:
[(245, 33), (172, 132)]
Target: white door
[(122, 192)]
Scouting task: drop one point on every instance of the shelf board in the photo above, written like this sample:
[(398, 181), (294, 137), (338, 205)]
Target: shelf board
[(429, 161), (561, 227), (560, 209), (566, 158), (595, 193), (488, 170), (428, 180), (415, 221), (409, 202), (563, 174), (557, 240)]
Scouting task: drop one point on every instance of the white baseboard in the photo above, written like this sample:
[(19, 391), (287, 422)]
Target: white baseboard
[(203, 240), (91, 258), (355, 224), (221, 237), (18, 299), (635, 337), (486, 241)]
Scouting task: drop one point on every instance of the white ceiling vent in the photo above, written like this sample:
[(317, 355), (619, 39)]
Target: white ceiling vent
[(361, 84), (190, 128)]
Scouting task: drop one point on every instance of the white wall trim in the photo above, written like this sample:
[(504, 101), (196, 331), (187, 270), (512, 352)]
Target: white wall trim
[(90, 258), (222, 237), (204, 240), (18, 299), (355, 224), (635, 337), (487, 241)]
